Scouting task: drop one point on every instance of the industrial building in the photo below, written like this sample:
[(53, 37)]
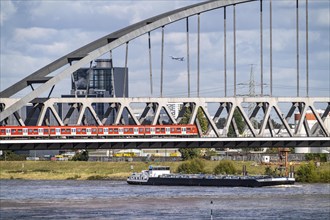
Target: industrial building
[(312, 124)]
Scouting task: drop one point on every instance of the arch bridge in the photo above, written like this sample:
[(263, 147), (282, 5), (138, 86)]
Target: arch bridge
[(283, 121)]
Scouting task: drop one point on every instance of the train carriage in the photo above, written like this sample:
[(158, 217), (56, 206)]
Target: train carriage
[(23, 131), (92, 131), (171, 130), (73, 131), (121, 130)]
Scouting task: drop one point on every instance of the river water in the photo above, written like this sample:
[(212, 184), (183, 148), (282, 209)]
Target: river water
[(74, 199)]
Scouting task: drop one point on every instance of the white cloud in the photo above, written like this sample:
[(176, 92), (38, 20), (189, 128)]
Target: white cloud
[(322, 17), (38, 32), (34, 33), (7, 10)]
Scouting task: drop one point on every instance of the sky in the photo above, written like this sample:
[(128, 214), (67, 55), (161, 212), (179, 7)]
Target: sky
[(35, 33)]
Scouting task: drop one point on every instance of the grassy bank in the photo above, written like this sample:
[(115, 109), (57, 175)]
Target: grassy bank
[(62, 170)]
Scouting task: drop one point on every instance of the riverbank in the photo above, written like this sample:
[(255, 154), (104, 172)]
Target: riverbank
[(65, 170)]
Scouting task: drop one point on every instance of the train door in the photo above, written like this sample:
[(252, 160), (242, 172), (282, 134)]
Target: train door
[(8, 132), (58, 131), (40, 131), (167, 130), (136, 131), (105, 130), (120, 131), (152, 131), (73, 131), (184, 130), (88, 131), (25, 132)]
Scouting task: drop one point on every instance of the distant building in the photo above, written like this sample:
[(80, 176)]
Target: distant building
[(175, 108), (312, 122), (99, 81)]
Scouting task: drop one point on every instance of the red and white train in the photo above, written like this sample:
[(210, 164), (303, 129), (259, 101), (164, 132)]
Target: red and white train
[(7, 132)]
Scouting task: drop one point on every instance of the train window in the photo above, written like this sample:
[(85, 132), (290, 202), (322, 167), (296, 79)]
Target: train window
[(162, 130), (172, 129), (147, 129), (13, 130), (30, 130), (157, 129), (19, 131), (35, 130), (52, 130), (141, 130), (188, 129), (130, 130), (83, 130), (178, 129), (115, 130), (101, 130), (110, 130), (126, 129), (63, 130), (2, 131), (94, 130), (46, 131), (79, 130), (67, 130)]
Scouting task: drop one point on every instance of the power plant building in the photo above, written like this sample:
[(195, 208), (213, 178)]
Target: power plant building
[(100, 81)]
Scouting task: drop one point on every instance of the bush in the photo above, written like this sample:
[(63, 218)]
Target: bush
[(193, 166), (325, 176), (80, 156), (307, 173), (225, 167), (271, 172), (12, 156), (189, 153), (316, 157)]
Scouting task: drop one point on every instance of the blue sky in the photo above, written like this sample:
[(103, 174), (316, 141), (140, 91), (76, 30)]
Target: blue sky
[(35, 33)]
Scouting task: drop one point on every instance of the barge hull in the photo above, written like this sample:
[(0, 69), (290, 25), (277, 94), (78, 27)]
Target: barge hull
[(213, 182)]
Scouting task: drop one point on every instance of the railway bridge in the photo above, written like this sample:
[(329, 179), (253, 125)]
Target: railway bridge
[(237, 114)]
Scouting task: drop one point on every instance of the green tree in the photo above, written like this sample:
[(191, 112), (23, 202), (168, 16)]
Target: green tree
[(210, 152), (225, 167), (189, 153), (81, 156), (316, 157), (307, 173), (12, 156), (202, 120), (239, 122), (270, 172), (192, 166)]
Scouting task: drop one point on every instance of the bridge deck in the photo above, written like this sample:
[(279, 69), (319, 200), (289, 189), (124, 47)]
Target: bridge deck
[(143, 143)]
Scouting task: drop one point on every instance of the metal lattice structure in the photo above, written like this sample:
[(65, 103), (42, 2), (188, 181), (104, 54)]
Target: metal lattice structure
[(116, 106), (156, 105)]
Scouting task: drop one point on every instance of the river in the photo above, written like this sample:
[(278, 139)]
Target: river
[(74, 199)]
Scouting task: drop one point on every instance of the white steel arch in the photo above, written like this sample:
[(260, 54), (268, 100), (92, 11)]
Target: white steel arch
[(99, 47)]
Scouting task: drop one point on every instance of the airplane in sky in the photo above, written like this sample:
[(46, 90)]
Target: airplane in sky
[(177, 58)]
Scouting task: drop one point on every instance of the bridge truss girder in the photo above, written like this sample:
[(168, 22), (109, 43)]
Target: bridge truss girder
[(123, 108)]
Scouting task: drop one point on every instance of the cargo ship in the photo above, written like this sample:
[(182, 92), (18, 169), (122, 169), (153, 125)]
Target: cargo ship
[(161, 175)]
